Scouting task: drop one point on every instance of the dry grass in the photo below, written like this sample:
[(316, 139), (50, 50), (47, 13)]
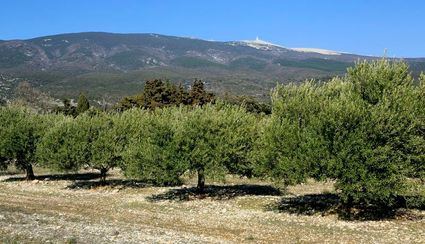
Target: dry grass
[(49, 211)]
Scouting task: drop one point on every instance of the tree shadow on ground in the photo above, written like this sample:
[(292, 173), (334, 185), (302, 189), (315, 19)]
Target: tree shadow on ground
[(57, 177), (309, 204), (216, 192), (88, 181), (329, 203), (111, 183)]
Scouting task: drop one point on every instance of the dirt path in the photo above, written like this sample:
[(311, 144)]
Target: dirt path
[(46, 211)]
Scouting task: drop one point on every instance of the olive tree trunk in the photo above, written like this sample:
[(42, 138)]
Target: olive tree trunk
[(201, 181), (103, 172), (29, 172)]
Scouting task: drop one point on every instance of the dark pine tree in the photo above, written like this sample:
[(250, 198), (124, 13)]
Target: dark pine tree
[(198, 95), (83, 104), (152, 93), (182, 96)]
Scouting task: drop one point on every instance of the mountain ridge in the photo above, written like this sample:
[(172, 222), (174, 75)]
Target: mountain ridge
[(117, 64), (201, 39)]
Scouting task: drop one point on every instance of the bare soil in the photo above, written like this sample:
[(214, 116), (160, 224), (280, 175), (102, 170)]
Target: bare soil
[(77, 209)]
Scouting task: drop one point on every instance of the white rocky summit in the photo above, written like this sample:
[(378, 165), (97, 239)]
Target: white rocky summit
[(316, 50), (260, 44), (264, 45)]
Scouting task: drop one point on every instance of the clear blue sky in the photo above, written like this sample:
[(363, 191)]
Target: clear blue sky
[(357, 26)]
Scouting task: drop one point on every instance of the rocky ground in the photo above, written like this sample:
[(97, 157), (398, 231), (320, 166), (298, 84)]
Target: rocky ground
[(55, 209)]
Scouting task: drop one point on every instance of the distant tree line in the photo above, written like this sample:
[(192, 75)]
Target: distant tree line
[(365, 131), (159, 94), (156, 94)]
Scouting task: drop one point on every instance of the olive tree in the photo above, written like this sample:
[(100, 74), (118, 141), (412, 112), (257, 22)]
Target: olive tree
[(103, 142), (376, 153), (364, 130), (417, 141), (213, 140), (151, 152), (370, 129), (198, 143), (87, 141), (239, 131), (289, 149), (65, 146), (20, 132)]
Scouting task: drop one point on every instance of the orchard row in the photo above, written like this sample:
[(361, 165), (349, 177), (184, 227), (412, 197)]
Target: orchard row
[(365, 130)]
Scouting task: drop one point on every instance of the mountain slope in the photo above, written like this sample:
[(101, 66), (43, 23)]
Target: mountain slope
[(118, 64)]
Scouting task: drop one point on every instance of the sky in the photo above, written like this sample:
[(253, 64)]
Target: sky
[(367, 27)]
